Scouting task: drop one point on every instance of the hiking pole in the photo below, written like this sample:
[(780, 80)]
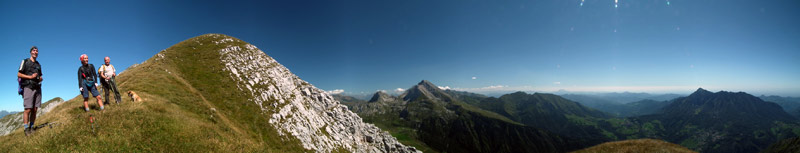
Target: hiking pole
[(91, 120)]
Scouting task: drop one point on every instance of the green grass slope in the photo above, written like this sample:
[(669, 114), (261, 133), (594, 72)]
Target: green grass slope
[(189, 106), (636, 146)]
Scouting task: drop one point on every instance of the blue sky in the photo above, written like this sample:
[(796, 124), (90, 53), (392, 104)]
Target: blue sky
[(479, 46)]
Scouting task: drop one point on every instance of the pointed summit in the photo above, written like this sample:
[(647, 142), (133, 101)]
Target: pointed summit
[(701, 90), (426, 83), (381, 96), (426, 89)]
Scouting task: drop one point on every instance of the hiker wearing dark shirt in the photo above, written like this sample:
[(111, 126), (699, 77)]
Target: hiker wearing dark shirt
[(30, 75), (87, 82)]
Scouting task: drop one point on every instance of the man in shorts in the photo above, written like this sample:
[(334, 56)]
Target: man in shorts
[(87, 82), (30, 75)]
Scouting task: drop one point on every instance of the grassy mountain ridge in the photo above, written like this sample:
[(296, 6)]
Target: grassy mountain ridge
[(201, 96), (186, 101), (550, 112)]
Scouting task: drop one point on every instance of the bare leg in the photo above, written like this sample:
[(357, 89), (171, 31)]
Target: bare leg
[(25, 116), (99, 100), (86, 103)]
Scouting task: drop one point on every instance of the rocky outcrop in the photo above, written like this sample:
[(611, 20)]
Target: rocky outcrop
[(298, 108)]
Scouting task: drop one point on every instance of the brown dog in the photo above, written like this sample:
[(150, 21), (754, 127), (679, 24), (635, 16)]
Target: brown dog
[(134, 96)]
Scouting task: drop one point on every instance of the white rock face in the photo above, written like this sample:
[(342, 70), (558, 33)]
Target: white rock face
[(12, 122), (299, 109)]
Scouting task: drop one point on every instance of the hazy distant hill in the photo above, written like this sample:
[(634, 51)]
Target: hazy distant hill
[(617, 97), (3, 113), (434, 121), (789, 104), (614, 103)]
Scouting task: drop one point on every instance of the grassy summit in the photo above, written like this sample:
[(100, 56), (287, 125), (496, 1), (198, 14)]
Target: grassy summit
[(191, 105)]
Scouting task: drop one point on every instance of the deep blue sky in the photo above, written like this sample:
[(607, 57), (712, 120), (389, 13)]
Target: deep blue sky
[(479, 46)]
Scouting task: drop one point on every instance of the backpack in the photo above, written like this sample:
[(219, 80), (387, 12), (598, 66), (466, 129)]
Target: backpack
[(20, 90)]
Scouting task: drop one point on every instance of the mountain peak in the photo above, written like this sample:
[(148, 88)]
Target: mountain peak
[(426, 83), (381, 96), (426, 89), (701, 92)]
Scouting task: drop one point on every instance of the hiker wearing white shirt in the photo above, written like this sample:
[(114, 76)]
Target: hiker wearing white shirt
[(108, 75)]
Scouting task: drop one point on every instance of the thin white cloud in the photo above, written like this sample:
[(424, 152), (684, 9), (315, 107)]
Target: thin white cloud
[(488, 88), (574, 88), (384, 91), (557, 83), (444, 88), (473, 78), (337, 91), (399, 90), (495, 87)]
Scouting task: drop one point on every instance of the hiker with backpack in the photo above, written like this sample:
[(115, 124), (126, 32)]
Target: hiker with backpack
[(108, 78), (87, 82), (30, 80)]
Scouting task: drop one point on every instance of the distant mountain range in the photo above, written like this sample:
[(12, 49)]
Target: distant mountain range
[(703, 121), (624, 104), (434, 121), (3, 113)]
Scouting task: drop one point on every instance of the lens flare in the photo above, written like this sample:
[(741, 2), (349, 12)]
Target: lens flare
[(616, 3), (582, 2)]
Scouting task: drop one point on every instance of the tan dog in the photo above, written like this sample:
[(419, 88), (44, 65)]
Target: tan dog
[(134, 96)]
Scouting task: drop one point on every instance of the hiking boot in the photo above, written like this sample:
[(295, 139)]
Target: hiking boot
[(28, 132)]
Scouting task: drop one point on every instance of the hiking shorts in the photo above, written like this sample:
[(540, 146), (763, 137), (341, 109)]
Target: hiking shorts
[(32, 98), (86, 91)]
